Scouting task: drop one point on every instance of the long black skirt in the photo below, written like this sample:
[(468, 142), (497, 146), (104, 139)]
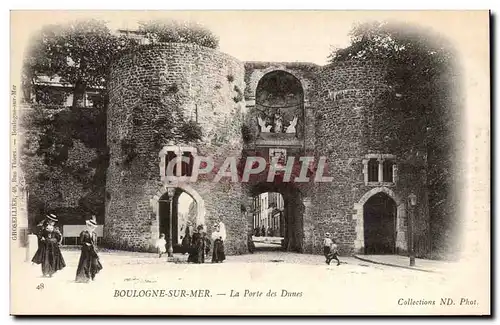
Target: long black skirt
[(88, 265), (50, 257), (185, 245), (218, 254)]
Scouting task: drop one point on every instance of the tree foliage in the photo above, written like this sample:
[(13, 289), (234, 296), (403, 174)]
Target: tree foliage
[(168, 31), (79, 52), (421, 100)]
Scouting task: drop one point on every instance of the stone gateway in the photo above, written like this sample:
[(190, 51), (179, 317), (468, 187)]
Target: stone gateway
[(258, 109)]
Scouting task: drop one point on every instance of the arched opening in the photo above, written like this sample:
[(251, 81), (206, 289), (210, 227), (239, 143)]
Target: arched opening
[(268, 222), (276, 217), (181, 210), (279, 107), (380, 224)]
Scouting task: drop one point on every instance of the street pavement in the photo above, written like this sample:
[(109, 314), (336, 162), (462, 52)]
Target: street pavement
[(404, 261), (300, 283)]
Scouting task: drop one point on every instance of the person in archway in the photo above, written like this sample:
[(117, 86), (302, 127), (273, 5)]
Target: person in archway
[(48, 254), (89, 264), (186, 241), (161, 245), (218, 237)]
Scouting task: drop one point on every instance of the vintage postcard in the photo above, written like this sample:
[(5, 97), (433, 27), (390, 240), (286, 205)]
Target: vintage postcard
[(250, 163)]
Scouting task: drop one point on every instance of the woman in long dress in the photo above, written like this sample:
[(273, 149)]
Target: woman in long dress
[(48, 254), (89, 264), (197, 254), (219, 236), (186, 240)]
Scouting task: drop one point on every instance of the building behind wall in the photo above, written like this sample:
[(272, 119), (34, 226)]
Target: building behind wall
[(268, 212)]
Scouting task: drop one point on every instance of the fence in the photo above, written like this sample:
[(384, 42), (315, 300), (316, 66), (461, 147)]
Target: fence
[(71, 234)]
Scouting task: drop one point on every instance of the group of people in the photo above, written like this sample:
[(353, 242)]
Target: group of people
[(49, 255), (263, 232), (197, 244)]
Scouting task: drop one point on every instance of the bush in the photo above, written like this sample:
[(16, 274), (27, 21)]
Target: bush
[(166, 31), (246, 133), (191, 131), (239, 94)]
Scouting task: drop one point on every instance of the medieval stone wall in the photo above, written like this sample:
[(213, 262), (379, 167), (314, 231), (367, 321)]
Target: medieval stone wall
[(342, 95), (350, 123), (207, 85), (343, 121)]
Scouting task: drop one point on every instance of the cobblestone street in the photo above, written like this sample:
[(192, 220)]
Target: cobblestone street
[(303, 282)]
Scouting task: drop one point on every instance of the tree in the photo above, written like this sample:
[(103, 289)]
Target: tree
[(64, 152), (79, 53), (168, 31), (421, 99)]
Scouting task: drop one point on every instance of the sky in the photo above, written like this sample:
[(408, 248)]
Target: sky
[(280, 36), (245, 35)]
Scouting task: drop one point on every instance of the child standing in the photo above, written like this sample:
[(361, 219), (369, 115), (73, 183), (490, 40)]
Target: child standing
[(161, 245), (327, 245), (334, 251)]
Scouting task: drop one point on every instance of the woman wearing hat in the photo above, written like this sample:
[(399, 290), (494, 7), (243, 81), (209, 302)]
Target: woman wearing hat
[(89, 264), (219, 236), (198, 246), (48, 253)]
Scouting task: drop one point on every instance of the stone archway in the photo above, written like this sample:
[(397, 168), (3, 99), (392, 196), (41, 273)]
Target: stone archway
[(379, 221), (200, 205), (294, 205), (400, 228)]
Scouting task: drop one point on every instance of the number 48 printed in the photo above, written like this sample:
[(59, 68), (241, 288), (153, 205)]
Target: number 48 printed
[(40, 286)]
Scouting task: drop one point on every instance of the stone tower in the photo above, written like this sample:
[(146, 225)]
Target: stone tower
[(266, 110), (208, 88)]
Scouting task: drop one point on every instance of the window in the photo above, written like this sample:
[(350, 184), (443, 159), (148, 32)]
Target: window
[(170, 156), (373, 170), (388, 171), (379, 169), (92, 99), (180, 170), (187, 168)]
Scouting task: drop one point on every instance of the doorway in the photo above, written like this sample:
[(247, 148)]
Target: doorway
[(380, 225), (184, 213), (276, 217), (268, 222)]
